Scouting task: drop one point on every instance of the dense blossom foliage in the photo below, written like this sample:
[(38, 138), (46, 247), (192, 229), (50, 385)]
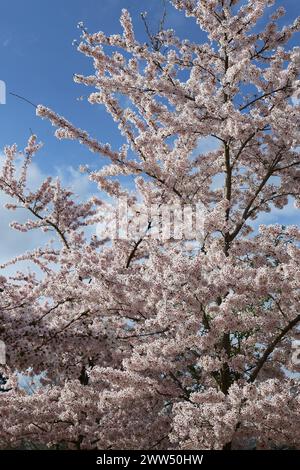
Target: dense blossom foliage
[(174, 344)]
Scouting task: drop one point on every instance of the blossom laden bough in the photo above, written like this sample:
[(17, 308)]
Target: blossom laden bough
[(161, 343)]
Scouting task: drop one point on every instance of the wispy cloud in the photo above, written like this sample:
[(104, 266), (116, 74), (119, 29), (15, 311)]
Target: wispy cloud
[(6, 42)]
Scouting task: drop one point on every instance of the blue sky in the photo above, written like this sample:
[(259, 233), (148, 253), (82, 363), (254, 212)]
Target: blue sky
[(38, 61)]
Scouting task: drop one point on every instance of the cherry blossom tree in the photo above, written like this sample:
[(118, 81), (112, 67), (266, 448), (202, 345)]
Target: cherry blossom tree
[(148, 343)]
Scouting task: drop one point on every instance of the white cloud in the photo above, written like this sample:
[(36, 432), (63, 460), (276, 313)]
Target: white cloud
[(207, 144), (78, 182), (289, 215), (6, 42)]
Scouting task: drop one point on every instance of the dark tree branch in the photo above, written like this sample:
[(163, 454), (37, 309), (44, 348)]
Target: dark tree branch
[(271, 348)]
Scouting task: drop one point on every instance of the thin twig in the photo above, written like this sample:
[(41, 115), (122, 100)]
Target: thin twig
[(24, 99)]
